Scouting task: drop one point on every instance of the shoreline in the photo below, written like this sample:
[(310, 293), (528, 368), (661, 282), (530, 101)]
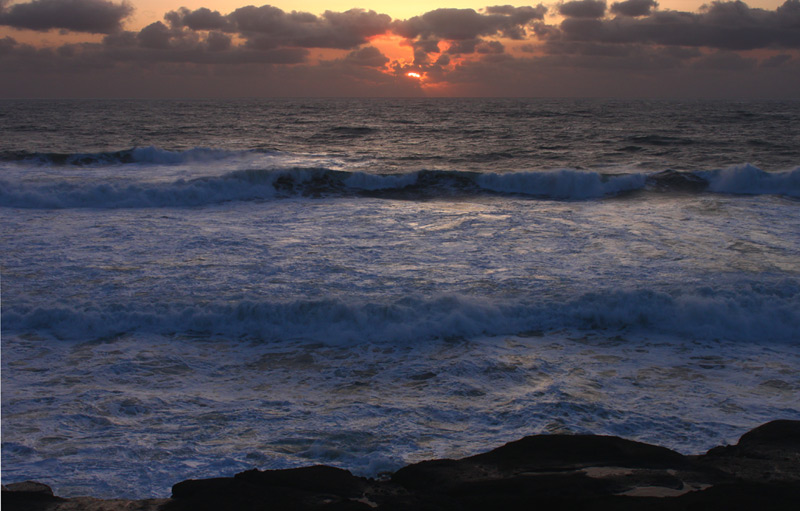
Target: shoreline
[(553, 471)]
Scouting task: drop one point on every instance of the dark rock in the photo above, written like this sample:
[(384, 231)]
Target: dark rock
[(29, 487), (319, 478), (538, 456), (762, 471), (28, 496), (775, 434), (317, 487), (768, 453)]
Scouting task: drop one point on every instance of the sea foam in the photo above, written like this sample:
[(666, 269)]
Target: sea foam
[(748, 179), (750, 311), (259, 183)]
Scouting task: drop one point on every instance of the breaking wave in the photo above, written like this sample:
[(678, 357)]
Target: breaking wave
[(748, 179), (750, 311), (272, 183)]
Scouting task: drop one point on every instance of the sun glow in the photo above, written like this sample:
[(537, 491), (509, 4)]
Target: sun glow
[(412, 74)]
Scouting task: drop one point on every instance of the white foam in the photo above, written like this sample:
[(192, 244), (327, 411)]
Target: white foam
[(748, 179), (767, 313), (115, 194)]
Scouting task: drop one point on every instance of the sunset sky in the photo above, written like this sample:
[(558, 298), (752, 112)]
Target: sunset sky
[(228, 48)]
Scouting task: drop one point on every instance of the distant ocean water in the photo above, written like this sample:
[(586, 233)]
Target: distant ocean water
[(195, 288)]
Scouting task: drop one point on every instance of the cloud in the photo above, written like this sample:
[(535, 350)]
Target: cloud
[(7, 45), (461, 47), (270, 35), (368, 56), (200, 19), (463, 24), (583, 9), (475, 46), (157, 43), (270, 27), (776, 60), (633, 71), (634, 8), (100, 70), (92, 16), (725, 60), (721, 25), (629, 47), (217, 41), (155, 35), (465, 29)]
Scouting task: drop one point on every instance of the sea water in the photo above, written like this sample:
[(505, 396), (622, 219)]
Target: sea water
[(195, 288)]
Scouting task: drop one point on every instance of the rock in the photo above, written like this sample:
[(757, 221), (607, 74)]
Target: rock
[(762, 471), (317, 487), (28, 495), (29, 487), (766, 454), (560, 470)]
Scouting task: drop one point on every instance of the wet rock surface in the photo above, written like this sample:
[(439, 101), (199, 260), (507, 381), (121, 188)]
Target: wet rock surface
[(762, 471)]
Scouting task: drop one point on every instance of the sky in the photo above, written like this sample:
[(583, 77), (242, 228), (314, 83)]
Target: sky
[(232, 48)]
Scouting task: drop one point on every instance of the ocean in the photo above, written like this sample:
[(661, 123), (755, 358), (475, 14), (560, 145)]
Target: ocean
[(191, 289)]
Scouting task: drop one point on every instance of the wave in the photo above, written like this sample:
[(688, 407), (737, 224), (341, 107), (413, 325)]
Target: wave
[(264, 184), (563, 184), (752, 311), (750, 180), (149, 155)]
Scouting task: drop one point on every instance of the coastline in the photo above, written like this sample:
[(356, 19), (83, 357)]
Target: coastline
[(553, 471)]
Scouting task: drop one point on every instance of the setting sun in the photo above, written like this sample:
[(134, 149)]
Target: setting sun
[(412, 74)]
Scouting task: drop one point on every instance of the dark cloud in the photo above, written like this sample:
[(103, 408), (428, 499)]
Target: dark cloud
[(464, 46), (776, 60), (630, 48), (490, 48), (200, 19), (368, 56), (790, 13), (634, 8), (93, 16), (157, 43), (217, 41), (464, 24), (583, 9), (443, 60), (121, 39), (721, 25), (156, 36), (725, 60), (96, 70), (7, 45), (465, 29), (643, 72), (475, 46), (270, 27)]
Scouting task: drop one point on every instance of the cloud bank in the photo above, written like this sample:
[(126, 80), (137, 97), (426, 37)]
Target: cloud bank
[(579, 47), (93, 16)]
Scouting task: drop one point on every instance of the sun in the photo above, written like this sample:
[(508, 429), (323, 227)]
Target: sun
[(412, 74)]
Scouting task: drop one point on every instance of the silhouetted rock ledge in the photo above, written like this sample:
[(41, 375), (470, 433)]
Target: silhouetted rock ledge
[(539, 472)]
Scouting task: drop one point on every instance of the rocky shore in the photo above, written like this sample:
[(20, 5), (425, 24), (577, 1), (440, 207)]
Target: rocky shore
[(762, 471)]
